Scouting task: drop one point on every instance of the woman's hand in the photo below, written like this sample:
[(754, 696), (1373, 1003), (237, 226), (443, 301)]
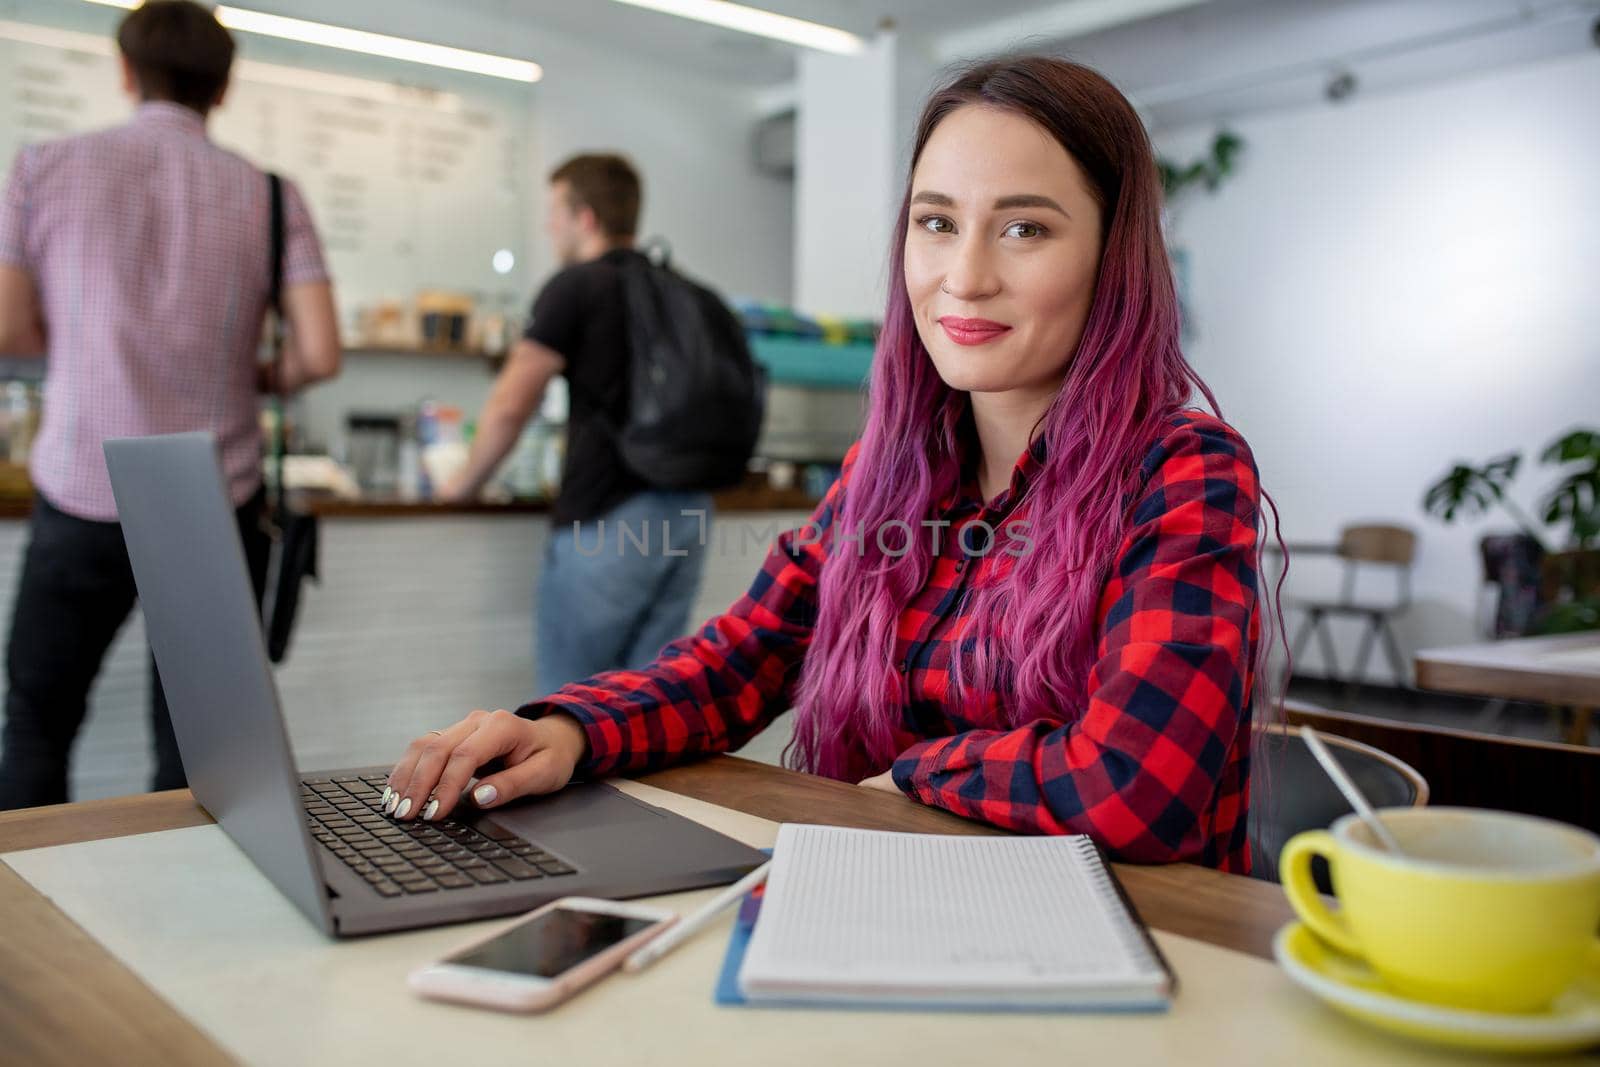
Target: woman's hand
[(884, 783), (539, 756)]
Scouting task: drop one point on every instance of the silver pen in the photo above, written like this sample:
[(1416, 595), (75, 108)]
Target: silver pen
[(681, 932)]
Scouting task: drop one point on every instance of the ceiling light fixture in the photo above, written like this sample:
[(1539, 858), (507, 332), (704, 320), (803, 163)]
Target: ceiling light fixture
[(761, 23), (372, 44), (245, 70)]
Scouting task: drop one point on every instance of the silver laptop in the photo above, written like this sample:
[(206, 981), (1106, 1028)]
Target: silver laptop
[(322, 838)]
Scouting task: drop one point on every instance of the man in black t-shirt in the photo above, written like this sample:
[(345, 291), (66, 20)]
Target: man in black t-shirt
[(623, 565)]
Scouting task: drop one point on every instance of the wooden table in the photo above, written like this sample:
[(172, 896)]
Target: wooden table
[(1563, 670), (65, 1000)]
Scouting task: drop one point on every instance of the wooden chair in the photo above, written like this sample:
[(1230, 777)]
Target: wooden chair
[(1474, 770), (1301, 796), (1389, 546), (1574, 573)]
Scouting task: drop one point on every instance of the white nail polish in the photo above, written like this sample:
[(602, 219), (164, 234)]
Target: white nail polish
[(388, 805), (387, 793), (431, 810), (405, 806), (484, 795)]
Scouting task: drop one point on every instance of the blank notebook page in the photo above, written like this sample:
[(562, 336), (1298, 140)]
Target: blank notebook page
[(861, 908)]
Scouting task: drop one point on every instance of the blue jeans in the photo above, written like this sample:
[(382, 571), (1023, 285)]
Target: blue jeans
[(617, 589)]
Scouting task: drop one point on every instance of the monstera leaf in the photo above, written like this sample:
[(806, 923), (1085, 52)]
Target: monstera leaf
[(1471, 490), (1577, 445), (1576, 497), (1574, 500)]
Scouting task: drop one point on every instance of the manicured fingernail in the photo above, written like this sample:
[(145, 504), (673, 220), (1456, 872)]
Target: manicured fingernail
[(388, 805), (431, 810), (405, 806), (484, 795), (387, 793)]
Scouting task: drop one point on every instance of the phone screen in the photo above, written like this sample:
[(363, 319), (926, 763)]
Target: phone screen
[(557, 941)]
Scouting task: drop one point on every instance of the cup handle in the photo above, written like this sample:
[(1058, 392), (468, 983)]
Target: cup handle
[(1294, 868)]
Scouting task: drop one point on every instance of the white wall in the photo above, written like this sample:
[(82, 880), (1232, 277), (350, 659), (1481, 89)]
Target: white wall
[(1396, 283), (691, 139), (847, 179)]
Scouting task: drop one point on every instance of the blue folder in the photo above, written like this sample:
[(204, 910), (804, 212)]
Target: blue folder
[(728, 981)]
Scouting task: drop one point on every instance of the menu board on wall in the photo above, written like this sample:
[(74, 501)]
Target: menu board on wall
[(411, 188)]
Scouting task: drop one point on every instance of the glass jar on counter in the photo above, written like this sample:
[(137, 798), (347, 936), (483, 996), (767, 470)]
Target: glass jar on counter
[(520, 474), (553, 458), (533, 470), (19, 421)]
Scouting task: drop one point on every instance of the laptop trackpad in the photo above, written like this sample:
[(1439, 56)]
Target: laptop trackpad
[(575, 813)]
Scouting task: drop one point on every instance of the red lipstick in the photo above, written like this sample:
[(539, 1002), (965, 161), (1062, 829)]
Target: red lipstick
[(972, 331)]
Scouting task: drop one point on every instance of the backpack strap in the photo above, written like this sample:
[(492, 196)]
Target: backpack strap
[(275, 305), (275, 275)]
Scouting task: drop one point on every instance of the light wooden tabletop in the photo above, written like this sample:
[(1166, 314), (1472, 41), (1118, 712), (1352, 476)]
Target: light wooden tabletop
[(65, 1000), (1555, 670)]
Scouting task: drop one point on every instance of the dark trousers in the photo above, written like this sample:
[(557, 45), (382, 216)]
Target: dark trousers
[(75, 592)]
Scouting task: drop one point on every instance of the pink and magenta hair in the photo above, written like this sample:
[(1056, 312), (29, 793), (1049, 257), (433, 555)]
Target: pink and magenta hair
[(1127, 378)]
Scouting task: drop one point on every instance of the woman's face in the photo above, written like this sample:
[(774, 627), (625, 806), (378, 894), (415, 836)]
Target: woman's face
[(1002, 249)]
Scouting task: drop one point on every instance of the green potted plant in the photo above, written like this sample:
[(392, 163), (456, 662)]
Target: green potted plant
[(1208, 170), (1569, 569)]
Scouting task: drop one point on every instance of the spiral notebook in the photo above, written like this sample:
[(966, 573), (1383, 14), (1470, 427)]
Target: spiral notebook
[(862, 918)]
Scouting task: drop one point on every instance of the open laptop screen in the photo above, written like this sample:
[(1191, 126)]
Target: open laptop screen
[(203, 626)]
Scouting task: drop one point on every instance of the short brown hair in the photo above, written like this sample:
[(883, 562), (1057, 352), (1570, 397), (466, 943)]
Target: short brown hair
[(607, 185), (178, 51)]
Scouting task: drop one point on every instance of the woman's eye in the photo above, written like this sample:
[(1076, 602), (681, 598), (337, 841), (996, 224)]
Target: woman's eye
[(1024, 230), (936, 224)]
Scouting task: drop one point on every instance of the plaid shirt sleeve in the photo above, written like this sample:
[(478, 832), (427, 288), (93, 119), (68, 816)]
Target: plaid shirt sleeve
[(302, 249), (713, 691), (1138, 769), (14, 215)]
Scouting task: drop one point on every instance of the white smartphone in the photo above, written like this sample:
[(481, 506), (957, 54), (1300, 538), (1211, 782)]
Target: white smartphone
[(545, 958)]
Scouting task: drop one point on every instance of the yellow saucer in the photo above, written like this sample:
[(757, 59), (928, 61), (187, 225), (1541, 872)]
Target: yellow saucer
[(1351, 986)]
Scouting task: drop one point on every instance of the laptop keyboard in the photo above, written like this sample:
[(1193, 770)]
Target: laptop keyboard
[(395, 858)]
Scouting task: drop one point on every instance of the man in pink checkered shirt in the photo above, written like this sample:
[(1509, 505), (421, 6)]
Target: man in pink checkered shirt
[(136, 260)]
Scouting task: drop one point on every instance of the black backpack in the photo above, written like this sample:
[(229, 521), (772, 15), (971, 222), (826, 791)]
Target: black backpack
[(695, 396)]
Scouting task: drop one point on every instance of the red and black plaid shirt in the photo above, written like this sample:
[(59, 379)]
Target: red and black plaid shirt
[(1154, 762)]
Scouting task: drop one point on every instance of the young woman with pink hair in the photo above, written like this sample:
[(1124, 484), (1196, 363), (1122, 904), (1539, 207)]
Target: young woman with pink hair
[(1032, 597)]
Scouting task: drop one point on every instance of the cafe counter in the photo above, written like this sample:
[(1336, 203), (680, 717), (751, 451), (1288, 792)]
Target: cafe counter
[(423, 615), (742, 499), (745, 498)]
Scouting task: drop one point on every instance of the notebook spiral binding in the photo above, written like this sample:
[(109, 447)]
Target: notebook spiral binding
[(1135, 935)]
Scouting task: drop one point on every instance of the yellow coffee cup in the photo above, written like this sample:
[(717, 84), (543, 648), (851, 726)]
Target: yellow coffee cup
[(1484, 910)]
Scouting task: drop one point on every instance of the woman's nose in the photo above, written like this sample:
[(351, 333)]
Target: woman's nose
[(971, 274)]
